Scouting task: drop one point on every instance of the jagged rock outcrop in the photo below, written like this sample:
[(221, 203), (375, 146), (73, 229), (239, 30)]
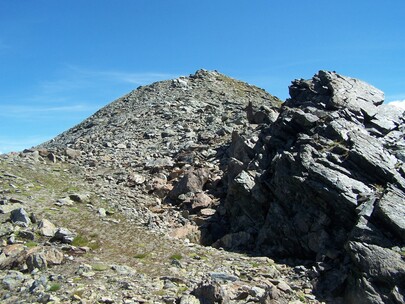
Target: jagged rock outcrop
[(325, 182)]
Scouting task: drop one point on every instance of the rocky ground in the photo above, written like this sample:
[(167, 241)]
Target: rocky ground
[(306, 198), (63, 241)]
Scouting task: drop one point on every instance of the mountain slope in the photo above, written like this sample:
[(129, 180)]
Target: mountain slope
[(316, 182)]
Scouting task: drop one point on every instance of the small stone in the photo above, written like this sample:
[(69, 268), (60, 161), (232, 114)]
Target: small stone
[(200, 201), (11, 239), (13, 249), (33, 218), (176, 263), (80, 197), (36, 260), (63, 235), (189, 299), (207, 212), (283, 286), (102, 212), (137, 179), (46, 228), (72, 154), (20, 217), (53, 256), (258, 292), (66, 201), (106, 300), (26, 235), (220, 276), (13, 280)]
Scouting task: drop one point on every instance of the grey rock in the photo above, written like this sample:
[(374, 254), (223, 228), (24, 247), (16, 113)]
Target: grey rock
[(72, 153), (378, 263), (44, 258), (193, 181), (390, 209), (210, 292), (335, 92), (36, 260), (63, 235), (26, 235), (124, 270), (13, 280), (20, 217), (39, 285), (66, 201), (159, 163), (189, 299), (219, 276), (80, 197), (46, 228), (102, 212), (368, 154), (387, 118)]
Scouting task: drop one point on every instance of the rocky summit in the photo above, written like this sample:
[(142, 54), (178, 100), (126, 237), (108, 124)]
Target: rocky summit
[(205, 189)]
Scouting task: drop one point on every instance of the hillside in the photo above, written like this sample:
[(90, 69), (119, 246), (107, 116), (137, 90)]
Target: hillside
[(299, 202)]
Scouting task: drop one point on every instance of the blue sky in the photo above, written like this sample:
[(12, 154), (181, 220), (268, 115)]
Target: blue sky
[(63, 60)]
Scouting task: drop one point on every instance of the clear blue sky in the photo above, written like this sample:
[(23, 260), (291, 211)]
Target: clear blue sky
[(62, 60)]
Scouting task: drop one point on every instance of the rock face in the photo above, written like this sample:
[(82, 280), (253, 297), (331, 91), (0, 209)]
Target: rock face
[(325, 182)]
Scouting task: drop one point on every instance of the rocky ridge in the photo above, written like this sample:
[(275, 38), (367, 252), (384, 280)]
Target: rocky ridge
[(316, 183), (325, 182)]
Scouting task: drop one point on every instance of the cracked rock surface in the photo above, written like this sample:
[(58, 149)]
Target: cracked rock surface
[(325, 183)]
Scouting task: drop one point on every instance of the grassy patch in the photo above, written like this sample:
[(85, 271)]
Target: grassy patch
[(255, 264), (71, 189), (54, 287), (80, 241), (100, 267), (181, 290), (176, 256), (31, 244), (140, 255), (301, 296)]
